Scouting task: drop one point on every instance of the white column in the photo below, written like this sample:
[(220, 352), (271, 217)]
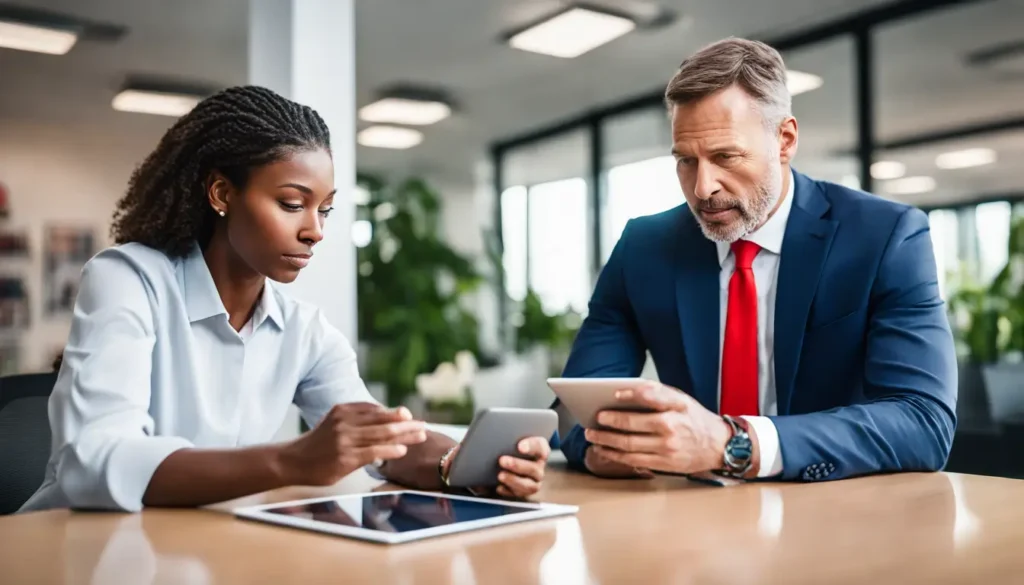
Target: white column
[(305, 50)]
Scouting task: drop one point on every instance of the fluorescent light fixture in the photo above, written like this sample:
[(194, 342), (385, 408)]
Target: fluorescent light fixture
[(888, 169), (572, 32), (36, 38), (397, 110), (910, 185), (161, 103), (799, 82), (962, 159), (389, 137)]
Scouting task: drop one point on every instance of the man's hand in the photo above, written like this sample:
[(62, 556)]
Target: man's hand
[(521, 477), (607, 468), (680, 437)]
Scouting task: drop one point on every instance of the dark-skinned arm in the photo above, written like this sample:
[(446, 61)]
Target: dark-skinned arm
[(196, 477), (419, 468), (350, 436)]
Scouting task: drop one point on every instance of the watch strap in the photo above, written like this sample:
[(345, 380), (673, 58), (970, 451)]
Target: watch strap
[(441, 464)]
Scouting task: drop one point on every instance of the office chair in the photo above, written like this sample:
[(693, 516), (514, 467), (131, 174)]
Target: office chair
[(24, 437)]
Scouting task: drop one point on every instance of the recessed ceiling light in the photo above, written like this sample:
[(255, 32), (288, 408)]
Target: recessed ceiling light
[(962, 159), (572, 32), (910, 185), (799, 82), (398, 110), (389, 137), (37, 38), (159, 102), (888, 169)]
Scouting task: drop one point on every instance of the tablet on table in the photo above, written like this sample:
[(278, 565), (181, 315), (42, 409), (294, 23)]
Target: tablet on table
[(400, 516)]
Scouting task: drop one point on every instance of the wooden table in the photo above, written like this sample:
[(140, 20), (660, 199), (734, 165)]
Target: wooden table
[(912, 528)]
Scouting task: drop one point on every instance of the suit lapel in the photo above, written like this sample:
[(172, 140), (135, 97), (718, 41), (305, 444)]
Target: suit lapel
[(697, 299), (804, 250)]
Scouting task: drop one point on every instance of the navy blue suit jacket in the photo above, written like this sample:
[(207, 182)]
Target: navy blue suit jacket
[(865, 369)]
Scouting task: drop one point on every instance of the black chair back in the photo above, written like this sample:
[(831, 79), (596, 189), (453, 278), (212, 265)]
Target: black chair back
[(24, 437)]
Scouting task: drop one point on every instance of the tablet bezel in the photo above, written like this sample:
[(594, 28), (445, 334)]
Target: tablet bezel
[(585, 397), (535, 511)]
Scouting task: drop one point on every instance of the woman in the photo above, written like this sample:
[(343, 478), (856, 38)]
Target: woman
[(183, 357)]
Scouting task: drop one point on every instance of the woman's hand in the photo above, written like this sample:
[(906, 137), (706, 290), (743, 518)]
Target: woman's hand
[(521, 476), (350, 436)]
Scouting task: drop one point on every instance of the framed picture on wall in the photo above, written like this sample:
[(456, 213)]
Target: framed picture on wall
[(10, 354), (13, 244), (5, 202), (65, 252), (13, 304)]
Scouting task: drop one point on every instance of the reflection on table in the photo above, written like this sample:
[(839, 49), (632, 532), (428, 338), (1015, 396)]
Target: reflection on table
[(912, 528)]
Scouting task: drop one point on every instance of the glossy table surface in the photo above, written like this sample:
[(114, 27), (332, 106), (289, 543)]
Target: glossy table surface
[(912, 528)]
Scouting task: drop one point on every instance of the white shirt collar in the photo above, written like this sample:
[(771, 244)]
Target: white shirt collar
[(770, 235), (203, 301)]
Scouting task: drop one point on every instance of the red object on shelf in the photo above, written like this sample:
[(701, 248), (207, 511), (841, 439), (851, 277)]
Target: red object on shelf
[(4, 210)]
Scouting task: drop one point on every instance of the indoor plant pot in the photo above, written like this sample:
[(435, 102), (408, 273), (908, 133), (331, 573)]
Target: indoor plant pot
[(1004, 389)]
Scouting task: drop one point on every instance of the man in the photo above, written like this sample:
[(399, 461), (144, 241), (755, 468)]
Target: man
[(806, 313)]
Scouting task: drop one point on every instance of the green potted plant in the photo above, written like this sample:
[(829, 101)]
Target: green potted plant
[(410, 287), (989, 321), (534, 327)]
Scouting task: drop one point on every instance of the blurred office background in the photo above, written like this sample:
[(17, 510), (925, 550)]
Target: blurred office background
[(490, 158)]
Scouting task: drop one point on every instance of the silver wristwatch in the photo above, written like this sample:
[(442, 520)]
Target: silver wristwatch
[(739, 450)]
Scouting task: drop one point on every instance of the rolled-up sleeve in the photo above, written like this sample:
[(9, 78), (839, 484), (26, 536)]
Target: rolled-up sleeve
[(103, 435), (333, 376)]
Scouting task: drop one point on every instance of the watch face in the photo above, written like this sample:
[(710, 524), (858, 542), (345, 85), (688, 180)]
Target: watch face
[(740, 449)]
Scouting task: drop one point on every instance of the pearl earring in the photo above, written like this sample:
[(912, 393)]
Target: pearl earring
[(221, 212)]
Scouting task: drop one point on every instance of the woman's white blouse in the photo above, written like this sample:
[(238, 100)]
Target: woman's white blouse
[(152, 365)]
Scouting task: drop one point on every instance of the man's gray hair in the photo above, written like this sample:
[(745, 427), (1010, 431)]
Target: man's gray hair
[(753, 65)]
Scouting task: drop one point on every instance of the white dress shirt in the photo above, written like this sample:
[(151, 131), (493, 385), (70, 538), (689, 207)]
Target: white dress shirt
[(766, 271), (152, 365)]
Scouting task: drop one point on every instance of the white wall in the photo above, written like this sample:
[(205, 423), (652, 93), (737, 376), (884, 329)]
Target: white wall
[(468, 210), (61, 175)]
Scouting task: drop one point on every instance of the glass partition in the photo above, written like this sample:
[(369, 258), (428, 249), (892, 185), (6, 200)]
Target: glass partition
[(546, 222), (946, 118), (638, 171), (949, 129), (822, 83)]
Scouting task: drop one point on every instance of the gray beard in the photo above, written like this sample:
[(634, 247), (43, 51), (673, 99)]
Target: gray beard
[(752, 215)]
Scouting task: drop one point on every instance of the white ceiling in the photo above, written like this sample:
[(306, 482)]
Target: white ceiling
[(192, 39), (505, 92), (453, 44)]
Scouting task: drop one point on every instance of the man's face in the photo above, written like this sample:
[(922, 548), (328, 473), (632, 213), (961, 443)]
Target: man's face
[(729, 165)]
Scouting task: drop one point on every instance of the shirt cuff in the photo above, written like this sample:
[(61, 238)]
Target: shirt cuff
[(132, 465), (768, 442)]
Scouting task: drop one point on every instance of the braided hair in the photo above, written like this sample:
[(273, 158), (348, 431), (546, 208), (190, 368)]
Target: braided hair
[(232, 132)]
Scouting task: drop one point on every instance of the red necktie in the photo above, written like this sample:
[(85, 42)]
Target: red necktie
[(739, 351)]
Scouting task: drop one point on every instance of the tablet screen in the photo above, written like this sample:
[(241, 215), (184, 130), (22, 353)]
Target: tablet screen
[(397, 512)]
